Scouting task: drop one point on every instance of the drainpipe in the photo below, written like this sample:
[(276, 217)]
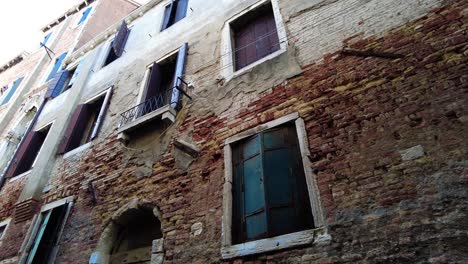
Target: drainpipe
[(31, 125)]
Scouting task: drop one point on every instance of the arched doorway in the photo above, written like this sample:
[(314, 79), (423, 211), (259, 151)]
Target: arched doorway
[(133, 236)]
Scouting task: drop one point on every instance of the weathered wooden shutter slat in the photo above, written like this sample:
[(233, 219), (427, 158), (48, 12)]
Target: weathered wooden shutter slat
[(181, 11), (102, 113), (167, 15), (179, 73), (57, 65), (75, 128), (31, 138), (39, 235), (120, 39)]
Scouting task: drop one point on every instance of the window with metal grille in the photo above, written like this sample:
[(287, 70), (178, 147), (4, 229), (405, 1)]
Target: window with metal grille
[(174, 12), (270, 195), (255, 36), (85, 123)]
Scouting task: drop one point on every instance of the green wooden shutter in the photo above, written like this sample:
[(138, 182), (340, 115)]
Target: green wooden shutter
[(39, 235)]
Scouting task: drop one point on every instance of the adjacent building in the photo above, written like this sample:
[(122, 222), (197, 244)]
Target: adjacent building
[(255, 131)]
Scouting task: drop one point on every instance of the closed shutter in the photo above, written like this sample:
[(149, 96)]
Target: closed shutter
[(23, 155), (245, 52), (181, 10), (57, 65), (168, 13), (179, 73), (153, 91), (120, 39), (102, 113), (75, 129), (57, 83), (12, 90)]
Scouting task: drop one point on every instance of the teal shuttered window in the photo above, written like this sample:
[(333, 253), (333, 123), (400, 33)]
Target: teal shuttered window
[(269, 188)]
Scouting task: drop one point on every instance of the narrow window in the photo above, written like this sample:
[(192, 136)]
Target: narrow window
[(28, 152), (164, 79), (2, 231), (118, 44), (174, 12), (269, 188), (255, 36), (85, 123), (11, 91), (47, 237), (84, 15), (57, 65)]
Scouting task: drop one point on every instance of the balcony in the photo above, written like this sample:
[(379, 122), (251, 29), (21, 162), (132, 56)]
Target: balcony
[(161, 108)]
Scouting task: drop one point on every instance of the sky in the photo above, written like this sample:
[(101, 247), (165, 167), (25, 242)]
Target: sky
[(22, 21)]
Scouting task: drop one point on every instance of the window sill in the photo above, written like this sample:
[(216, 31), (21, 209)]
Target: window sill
[(17, 177), (165, 113), (77, 150), (249, 67), (307, 237)]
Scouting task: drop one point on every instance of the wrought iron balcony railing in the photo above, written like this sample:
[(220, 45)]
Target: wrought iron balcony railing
[(172, 97)]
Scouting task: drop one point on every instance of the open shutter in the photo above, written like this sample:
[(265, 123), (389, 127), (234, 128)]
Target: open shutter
[(153, 88), (32, 138), (179, 73), (75, 128), (181, 10), (120, 39), (101, 115), (39, 235), (75, 75), (57, 65), (12, 90), (57, 83), (167, 15), (85, 15), (46, 38)]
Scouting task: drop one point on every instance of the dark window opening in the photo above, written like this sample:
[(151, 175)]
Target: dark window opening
[(255, 36), (28, 152), (47, 235), (2, 231), (69, 81), (269, 188), (84, 124), (136, 230), (174, 13), (111, 56)]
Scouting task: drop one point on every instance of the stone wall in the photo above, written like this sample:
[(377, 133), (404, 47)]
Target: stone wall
[(387, 139)]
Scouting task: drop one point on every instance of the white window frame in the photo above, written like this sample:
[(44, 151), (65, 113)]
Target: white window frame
[(227, 41), (48, 135), (317, 235), (5, 223)]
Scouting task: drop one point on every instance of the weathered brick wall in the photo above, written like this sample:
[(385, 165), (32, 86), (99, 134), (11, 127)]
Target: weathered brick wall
[(381, 205), (360, 113)]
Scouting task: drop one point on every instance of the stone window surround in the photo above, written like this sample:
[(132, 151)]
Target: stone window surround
[(35, 224), (317, 235), (227, 46), (5, 223)]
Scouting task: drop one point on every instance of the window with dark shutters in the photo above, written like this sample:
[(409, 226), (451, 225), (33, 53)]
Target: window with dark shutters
[(85, 123), (27, 153), (117, 45), (269, 189), (255, 36), (174, 12)]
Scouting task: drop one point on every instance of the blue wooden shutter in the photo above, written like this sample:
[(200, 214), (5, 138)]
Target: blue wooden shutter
[(57, 65), (181, 10), (57, 83), (168, 13), (179, 73), (85, 15), (46, 38), (120, 39), (39, 235), (12, 90)]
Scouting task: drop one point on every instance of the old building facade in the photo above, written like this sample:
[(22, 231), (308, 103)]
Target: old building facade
[(255, 131)]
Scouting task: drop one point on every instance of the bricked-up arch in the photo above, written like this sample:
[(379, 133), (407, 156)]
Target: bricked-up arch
[(133, 235)]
